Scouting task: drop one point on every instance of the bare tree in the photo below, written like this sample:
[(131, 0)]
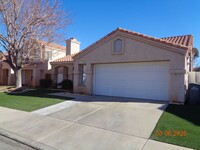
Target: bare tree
[(24, 20), (196, 59)]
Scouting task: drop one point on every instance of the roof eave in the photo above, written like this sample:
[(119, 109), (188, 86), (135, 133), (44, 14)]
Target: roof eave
[(158, 42), (68, 62)]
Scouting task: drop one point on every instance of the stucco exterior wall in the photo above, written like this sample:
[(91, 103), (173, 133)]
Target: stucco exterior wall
[(73, 46), (56, 53), (134, 50), (39, 73)]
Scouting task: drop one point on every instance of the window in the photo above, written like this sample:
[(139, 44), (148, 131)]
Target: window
[(82, 69), (49, 55), (118, 45), (35, 55)]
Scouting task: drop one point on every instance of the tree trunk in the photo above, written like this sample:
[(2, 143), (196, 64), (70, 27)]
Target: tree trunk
[(18, 78)]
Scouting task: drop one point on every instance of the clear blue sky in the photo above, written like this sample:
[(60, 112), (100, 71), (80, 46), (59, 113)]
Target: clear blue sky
[(94, 19)]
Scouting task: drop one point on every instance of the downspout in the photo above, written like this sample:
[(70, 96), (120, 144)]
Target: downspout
[(190, 61)]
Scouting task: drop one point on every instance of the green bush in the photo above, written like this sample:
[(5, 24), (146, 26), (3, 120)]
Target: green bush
[(46, 83), (67, 84)]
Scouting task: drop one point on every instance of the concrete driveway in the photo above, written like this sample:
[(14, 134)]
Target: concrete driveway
[(113, 123), (92, 123)]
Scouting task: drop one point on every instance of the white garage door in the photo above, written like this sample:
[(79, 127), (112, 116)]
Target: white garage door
[(137, 80)]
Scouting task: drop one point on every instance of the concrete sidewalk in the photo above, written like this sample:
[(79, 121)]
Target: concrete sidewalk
[(87, 126)]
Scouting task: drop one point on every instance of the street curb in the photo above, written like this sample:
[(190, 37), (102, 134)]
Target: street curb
[(25, 141)]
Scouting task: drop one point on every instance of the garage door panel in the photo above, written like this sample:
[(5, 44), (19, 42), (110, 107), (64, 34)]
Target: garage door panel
[(139, 80)]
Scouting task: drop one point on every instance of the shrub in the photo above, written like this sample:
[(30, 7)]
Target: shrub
[(67, 84), (45, 83)]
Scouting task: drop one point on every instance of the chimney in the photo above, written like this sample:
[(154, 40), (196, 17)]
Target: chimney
[(73, 46)]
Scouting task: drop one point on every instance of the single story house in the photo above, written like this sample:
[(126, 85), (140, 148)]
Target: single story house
[(129, 64)]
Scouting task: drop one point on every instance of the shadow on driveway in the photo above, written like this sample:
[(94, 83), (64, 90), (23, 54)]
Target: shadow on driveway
[(44, 93), (109, 99)]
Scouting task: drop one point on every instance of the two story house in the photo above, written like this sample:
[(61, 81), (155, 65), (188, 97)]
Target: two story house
[(38, 66)]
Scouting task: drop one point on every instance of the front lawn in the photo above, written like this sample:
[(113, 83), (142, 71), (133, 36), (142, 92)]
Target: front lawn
[(179, 125), (31, 100)]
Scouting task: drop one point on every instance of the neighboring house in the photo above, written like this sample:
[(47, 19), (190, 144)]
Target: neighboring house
[(196, 69), (130, 64), (63, 68), (35, 69)]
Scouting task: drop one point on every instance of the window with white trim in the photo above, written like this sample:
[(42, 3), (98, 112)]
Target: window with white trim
[(82, 78), (49, 55)]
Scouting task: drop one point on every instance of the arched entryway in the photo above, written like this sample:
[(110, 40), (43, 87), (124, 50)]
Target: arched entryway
[(61, 73)]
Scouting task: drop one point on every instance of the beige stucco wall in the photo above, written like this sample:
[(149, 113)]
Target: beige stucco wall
[(56, 53), (39, 73), (135, 50), (73, 46)]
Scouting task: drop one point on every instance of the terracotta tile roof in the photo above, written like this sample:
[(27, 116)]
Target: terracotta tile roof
[(183, 42), (177, 41), (53, 45), (31, 65), (67, 58)]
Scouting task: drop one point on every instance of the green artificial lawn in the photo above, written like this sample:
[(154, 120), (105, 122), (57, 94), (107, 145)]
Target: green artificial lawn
[(179, 125), (31, 100)]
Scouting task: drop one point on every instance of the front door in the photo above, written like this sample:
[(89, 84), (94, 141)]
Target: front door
[(5, 77), (27, 76)]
